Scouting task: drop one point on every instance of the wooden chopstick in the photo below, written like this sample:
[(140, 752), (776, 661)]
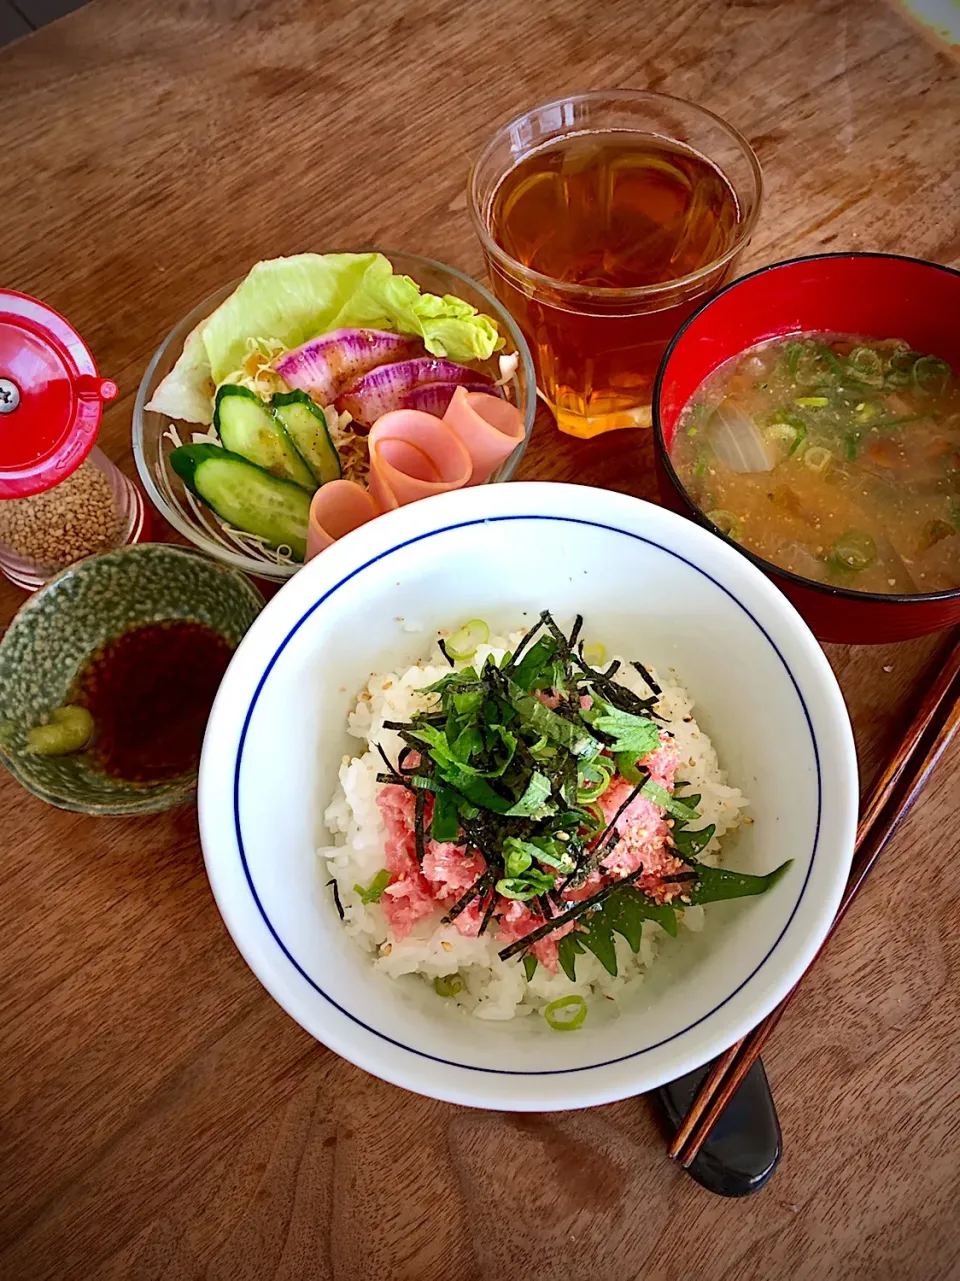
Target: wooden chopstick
[(887, 805)]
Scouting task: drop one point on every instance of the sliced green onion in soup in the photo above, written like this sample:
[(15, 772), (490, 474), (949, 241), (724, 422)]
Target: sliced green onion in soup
[(727, 523), (812, 402), (466, 639), (865, 365), (817, 458), (931, 375), (783, 438), (899, 368), (855, 550), (566, 1014)]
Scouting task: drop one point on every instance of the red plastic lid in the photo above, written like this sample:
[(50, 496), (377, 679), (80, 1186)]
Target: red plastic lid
[(51, 397)]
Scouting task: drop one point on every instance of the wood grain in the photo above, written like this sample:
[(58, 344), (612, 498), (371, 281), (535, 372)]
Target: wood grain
[(159, 1116)]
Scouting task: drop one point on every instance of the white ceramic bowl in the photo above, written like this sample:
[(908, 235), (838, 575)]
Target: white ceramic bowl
[(650, 584)]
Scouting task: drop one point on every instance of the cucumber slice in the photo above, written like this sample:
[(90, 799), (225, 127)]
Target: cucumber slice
[(246, 496), (251, 429), (307, 428)]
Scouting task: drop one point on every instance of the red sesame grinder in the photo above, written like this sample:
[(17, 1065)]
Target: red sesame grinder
[(61, 499)]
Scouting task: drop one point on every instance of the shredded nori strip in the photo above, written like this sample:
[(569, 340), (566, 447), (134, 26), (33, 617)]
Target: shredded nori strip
[(576, 630), (336, 897), (679, 876), (488, 911), (478, 887), (391, 768), (647, 677), (394, 780), (418, 816), (578, 909), (441, 645)]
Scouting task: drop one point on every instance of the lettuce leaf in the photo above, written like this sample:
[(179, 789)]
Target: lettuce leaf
[(290, 300)]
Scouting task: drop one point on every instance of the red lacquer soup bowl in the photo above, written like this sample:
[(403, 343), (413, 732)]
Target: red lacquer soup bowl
[(881, 295)]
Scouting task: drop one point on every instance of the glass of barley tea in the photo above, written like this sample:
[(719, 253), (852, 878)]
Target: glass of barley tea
[(605, 219)]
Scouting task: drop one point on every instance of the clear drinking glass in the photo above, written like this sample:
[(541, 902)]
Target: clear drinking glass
[(576, 197)]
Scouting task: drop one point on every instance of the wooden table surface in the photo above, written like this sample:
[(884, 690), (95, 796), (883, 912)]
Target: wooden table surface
[(161, 1117)]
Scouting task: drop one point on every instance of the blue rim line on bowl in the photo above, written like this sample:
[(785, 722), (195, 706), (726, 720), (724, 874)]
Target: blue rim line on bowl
[(768, 566), (205, 308), (469, 1067)]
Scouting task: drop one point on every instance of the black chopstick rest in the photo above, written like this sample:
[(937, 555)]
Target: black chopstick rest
[(745, 1145)]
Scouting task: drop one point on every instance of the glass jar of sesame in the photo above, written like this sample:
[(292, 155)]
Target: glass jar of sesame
[(61, 499)]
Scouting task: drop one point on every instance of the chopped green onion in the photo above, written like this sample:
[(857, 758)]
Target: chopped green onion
[(699, 470), (374, 891), (449, 985), (517, 856), (466, 639), (783, 436), (595, 655), (727, 523), (866, 366), (527, 886), (931, 375), (594, 778), (817, 458), (793, 352), (855, 550), (542, 750), (576, 1008), (810, 402), (851, 444), (597, 814)]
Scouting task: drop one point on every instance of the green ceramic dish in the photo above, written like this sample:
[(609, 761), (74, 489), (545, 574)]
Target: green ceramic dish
[(57, 630)]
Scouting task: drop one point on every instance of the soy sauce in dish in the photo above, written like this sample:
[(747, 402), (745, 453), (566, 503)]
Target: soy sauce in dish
[(149, 691)]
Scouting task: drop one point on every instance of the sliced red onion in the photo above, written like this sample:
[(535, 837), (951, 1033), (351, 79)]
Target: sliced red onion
[(388, 386), (435, 398), (326, 365), (736, 439)]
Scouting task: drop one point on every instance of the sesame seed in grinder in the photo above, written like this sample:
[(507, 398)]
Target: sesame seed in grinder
[(76, 519)]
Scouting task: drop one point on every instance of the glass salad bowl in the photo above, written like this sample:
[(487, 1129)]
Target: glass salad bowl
[(156, 435)]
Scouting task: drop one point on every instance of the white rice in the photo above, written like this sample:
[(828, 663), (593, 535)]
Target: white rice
[(492, 989)]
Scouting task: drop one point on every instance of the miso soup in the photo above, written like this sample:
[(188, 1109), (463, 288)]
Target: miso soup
[(835, 457)]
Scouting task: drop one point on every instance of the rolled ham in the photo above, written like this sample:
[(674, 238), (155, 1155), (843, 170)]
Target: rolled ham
[(414, 455), (489, 427), (337, 508)]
